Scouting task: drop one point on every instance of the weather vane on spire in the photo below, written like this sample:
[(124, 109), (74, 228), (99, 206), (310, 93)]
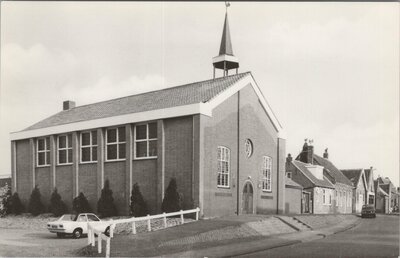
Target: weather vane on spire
[(227, 4)]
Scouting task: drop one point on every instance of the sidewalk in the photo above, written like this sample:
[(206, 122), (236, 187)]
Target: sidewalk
[(228, 236)]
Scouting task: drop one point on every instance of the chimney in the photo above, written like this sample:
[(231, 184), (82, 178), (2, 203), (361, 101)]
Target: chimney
[(68, 104), (307, 153), (326, 155)]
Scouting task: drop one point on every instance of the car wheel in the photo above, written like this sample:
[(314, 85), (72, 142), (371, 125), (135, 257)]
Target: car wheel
[(77, 233), (60, 235), (107, 231)]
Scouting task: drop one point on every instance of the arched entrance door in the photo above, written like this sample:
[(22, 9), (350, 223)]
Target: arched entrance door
[(247, 199)]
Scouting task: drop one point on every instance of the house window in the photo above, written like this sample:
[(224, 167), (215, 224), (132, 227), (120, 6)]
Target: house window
[(223, 166), (43, 152), (115, 144), (323, 196), (266, 171), (64, 149), (88, 147), (336, 198), (146, 141), (330, 197)]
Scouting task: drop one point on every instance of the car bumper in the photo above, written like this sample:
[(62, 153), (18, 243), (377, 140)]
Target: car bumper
[(57, 230), (366, 215)]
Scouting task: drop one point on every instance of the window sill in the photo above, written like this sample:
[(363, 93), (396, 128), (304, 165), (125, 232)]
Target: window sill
[(114, 160), (267, 191), (144, 158), (223, 187), (64, 164), (87, 162), (42, 166)]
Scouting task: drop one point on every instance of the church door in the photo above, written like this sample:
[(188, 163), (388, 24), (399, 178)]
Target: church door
[(247, 199)]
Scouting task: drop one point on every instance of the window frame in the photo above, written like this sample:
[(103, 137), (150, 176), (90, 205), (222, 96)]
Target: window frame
[(265, 180), (45, 150), (147, 140), (66, 148), (223, 161), (90, 146), (117, 142)]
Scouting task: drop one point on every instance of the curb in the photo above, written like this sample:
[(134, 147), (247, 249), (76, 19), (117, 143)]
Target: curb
[(243, 252)]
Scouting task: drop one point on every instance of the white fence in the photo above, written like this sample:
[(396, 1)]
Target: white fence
[(101, 236)]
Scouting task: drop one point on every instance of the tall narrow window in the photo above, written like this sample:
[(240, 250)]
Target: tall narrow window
[(336, 198), (266, 173), (146, 141), (88, 147), (115, 144), (223, 166), (64, 149), (323, 196), (43, 152)]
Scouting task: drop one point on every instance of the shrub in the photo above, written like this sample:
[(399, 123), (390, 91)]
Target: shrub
[(15, 205), (138, 207), (80, 204), (57, 206), (5, 199), (172, 200), (105, 205), (35, 206)]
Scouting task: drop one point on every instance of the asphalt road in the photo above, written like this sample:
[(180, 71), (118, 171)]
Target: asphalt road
[(371, 238)]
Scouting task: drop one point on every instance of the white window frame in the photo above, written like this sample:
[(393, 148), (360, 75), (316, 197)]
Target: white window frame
[(324, 196), (66, 148), (337, 198), (266, 174), (117, 142), (90, 146), (330, 197), (46, 162), (222, 159), (147, 140)]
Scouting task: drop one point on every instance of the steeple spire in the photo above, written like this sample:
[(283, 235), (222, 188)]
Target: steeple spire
[(226, 60)]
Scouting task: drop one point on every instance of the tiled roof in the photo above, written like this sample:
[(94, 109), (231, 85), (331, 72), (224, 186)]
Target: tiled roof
[(336, 173), (290, 182), (353, 175), (316, 182), (193, 93)]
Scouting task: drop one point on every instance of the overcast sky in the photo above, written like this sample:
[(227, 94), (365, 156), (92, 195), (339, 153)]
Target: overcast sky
[(330, 71)]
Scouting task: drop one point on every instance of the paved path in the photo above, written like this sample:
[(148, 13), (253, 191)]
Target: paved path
[(371, 238)]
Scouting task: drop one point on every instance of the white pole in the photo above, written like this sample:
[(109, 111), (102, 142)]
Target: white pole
[(182, 217), (133, 227), (108, 248), (93, 238), (197, 214), (99, 243), (148, 222), (89, 235), (165, 220)]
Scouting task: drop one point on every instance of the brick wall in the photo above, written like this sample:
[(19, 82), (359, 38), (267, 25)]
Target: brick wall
[(293, 200), (87, 183), (64, 184), (23, 168), (115, 173), (144, 172), (42, 180)]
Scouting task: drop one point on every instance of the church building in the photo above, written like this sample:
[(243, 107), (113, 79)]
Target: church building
[(219, 138)]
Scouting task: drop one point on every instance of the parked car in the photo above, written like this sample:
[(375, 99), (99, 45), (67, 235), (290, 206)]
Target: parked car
[(77, 225), (368, 211)]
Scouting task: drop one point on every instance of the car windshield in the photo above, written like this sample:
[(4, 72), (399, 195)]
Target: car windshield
[(67, 217)]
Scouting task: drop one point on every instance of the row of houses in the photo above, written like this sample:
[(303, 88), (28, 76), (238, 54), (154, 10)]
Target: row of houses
[(325, 189), (219, 138)]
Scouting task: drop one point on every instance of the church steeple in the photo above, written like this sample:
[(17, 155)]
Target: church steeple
[(226, 60)]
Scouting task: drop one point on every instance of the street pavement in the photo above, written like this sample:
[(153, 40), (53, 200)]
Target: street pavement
[(370, 238)]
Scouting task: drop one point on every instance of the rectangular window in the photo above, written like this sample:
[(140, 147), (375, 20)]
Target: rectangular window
[(43, 152), (330, 197), (336, 198), (115, 144), (323, 196), (223, 166), (146, 141), (88, 147), (266, 174), (64, 149)]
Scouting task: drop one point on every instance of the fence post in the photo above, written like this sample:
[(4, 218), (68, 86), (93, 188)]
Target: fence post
[(108, 248), (93, 238), (99, 243), (165, 220), (89, 234), (197, 214), (148, 222), (133, 227), (182, 216), (112, 226)]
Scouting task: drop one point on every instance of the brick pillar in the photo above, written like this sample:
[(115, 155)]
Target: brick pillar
[(32, 163), (281, 158), (160, 164), (196, 162), (14, 166), (128, 167), (100, 161), (53, 161), (75, 164)]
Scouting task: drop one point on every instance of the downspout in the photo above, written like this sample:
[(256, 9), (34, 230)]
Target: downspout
[(238, 143)]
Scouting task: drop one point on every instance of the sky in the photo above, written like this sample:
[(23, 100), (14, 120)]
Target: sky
[(330, 71)]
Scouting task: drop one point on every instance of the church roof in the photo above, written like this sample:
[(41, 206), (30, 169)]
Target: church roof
[(226, 43), (198, 92)]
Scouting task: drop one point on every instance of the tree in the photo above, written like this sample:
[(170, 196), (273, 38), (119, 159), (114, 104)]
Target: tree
[(15, 206), (35, 206), (138, 207), (105, 205), (80, 204), (172, 200), (57, 206)]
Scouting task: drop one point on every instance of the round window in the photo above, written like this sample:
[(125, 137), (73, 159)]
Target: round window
[(249, 147)]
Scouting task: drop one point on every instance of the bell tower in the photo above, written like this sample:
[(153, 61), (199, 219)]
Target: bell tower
[(225, 60)]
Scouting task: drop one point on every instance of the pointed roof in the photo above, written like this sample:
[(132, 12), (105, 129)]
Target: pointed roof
[(226, 43), (313, 180), (353, 174), (335, 172)]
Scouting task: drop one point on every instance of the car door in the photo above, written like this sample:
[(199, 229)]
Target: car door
[(82, 223), (96, 221)]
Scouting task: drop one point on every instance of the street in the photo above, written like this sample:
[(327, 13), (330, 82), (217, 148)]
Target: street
[(371, 238)]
